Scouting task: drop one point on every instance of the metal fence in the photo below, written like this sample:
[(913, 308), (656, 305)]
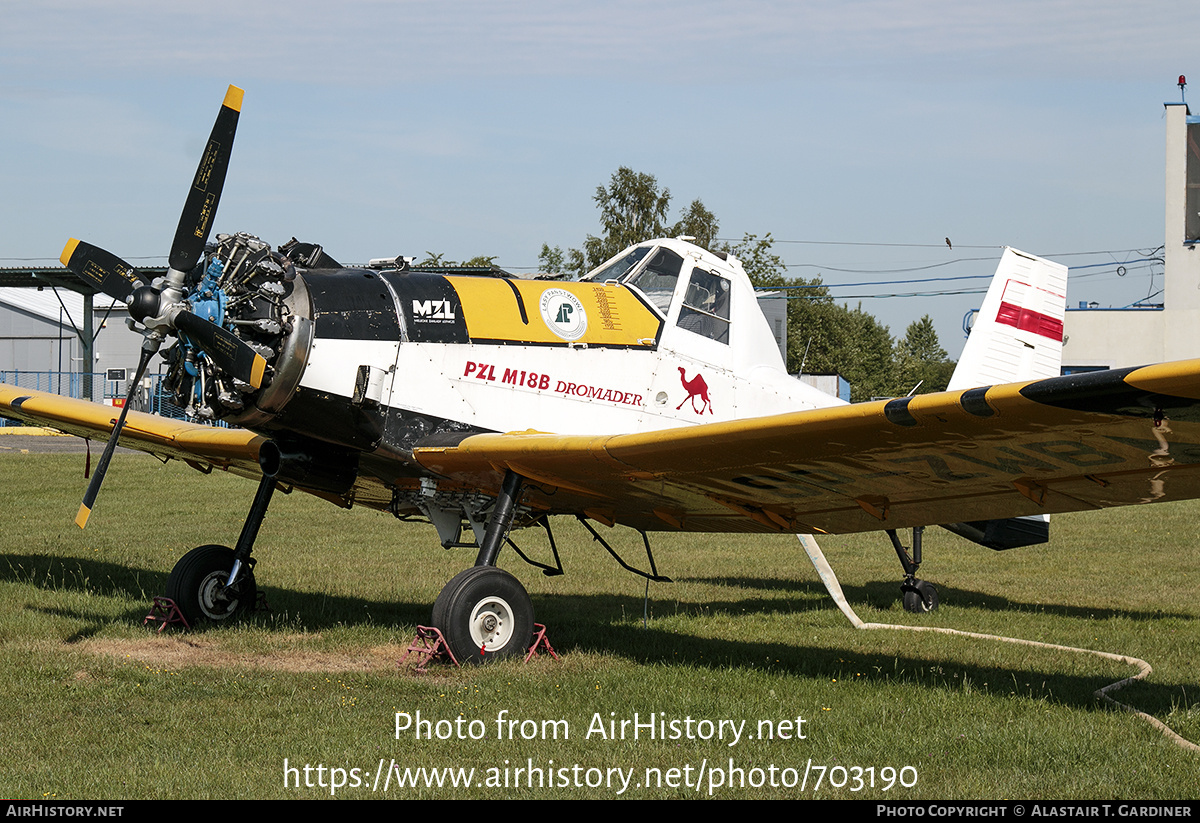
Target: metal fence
[(150, 396)]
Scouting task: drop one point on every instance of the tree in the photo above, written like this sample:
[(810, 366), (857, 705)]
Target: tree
[(824, 336), (438, 261), (921, 360), (434, 260), (552, 260), (632, 209), (763, 266), (698, 223)]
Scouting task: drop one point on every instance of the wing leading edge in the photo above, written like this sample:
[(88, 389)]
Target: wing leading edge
[(1090, 441), (232, 449)]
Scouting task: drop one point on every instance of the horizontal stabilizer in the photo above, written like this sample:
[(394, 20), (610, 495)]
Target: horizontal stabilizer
[(1008, 533)]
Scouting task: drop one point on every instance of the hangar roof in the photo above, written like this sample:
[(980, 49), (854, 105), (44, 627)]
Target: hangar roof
[(45, 303)]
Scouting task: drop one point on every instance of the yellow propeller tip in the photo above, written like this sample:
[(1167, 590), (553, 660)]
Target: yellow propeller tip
[(81, 518), (233, 98), (257, 371), (68, 250)]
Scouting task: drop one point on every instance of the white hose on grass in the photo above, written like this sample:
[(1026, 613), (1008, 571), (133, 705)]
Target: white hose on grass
[(825, 572)]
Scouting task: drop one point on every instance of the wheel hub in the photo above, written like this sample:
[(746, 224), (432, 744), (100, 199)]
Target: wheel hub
[(492, 624), (215, 600)]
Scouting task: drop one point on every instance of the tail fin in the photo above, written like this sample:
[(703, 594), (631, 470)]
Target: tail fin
[(1018, 333)]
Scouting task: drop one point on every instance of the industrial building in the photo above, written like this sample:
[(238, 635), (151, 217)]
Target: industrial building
[(1097, 338)]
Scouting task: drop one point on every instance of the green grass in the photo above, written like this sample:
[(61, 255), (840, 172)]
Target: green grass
[(95, 706)]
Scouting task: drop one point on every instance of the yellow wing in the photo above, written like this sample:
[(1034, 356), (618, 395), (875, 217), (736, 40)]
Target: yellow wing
[(202, 447), (1111, 438), (1096, 440), (231, 449)]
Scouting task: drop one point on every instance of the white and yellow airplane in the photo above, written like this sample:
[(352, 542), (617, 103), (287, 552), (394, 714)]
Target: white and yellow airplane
[(649, 394)]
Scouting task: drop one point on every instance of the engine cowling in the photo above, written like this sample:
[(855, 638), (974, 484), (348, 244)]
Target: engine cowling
[(254, 292)]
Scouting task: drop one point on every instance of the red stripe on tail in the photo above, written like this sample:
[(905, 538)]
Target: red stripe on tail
[(1029, 320)]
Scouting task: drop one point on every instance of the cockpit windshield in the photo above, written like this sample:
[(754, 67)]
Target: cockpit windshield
[(658, 277), (655, 277), (618, 268)]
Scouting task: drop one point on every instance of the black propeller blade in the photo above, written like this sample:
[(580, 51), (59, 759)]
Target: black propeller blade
[(104, 270), (201, 206), (152, 305), (228, 350), (93, 489)]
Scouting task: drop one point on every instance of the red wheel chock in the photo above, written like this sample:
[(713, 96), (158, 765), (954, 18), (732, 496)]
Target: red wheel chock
[(429, 645), (164, 612), (540, 641)]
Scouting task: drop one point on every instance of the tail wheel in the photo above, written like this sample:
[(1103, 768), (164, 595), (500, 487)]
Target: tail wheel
[(484, 613), (920, 596), (197, 585)]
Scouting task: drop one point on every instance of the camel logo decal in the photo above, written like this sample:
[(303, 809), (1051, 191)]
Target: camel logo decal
[(696, 387)]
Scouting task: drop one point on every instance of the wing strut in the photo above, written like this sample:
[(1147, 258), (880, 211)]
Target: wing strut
[(651, 575), (550, 571)]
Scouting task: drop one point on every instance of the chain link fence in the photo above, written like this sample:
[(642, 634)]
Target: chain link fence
[(150, 397)]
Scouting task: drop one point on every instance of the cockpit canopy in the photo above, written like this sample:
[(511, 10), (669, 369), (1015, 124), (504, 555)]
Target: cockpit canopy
[(656, 271)]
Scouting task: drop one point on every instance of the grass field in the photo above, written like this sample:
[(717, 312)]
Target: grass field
[(94, 706)]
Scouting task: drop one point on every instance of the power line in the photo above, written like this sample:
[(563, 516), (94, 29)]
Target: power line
[(886, 271), (873, 296), (876, 283), (861, 243)]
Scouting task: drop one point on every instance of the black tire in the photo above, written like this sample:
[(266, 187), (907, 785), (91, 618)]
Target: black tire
[(485, 614), (197, 586), (920, 597)]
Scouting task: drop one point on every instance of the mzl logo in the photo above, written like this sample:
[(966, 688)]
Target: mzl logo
[(563, 314), (433, 311)]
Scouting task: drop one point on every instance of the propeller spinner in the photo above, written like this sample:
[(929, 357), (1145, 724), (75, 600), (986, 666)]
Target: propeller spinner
[(160, 306)]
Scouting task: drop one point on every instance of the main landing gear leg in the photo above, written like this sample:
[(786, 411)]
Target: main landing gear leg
[(485, 613), (919, 595), (216, 583)]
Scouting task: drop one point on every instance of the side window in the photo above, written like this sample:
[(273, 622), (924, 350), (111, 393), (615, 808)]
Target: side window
[(658, 278), (705, 308)]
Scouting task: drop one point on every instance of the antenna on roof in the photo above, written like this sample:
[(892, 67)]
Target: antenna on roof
[(1182, 85)]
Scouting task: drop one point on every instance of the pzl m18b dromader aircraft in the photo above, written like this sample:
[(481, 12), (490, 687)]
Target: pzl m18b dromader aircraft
[(649, 394)]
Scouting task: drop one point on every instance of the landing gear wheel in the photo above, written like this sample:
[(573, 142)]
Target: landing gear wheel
[(919, 596), (485, 614), (197, 585)]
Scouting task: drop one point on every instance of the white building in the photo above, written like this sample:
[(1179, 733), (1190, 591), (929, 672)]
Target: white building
[(1112, 338), (41, 342)]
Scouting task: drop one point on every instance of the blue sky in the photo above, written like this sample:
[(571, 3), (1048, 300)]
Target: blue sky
[(861, 132)]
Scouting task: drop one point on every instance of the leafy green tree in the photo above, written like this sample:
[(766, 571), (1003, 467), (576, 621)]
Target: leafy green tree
[(699, 223), (764, 267), (824, 336), (435, 260), (921, 361), (869, 356), (632, 209), (552, 260)]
